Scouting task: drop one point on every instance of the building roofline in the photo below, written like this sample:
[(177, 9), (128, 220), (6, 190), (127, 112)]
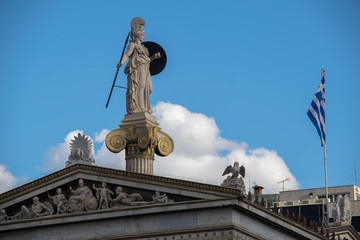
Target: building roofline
[(65, 172), (318, 188)]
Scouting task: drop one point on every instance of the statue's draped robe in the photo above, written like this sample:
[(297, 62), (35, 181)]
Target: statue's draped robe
[(139, 85)]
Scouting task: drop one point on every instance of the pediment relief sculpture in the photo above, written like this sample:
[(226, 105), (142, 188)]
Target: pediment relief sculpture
[(37, 209), (62, 204), (161, 198), (3, 216), (123, 198), (103, 195), (81, 199)]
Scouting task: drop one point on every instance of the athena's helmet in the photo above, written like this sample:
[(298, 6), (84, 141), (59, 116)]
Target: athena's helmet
[(136, 24)]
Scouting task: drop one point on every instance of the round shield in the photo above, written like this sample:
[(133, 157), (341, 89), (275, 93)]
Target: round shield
[(91, 203), (159, 64)]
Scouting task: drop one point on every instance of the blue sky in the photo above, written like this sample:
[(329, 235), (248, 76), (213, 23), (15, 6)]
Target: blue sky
[(250, 66)]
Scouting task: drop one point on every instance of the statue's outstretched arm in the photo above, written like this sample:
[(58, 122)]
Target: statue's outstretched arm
[(155, 56)]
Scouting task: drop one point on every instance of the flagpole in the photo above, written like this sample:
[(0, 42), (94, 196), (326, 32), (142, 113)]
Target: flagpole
[(326, 190), (325, 168)]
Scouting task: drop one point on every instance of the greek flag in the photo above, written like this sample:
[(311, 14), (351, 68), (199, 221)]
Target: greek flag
[(316, 111)]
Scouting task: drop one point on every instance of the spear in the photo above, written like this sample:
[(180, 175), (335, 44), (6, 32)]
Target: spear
[(117, 71)]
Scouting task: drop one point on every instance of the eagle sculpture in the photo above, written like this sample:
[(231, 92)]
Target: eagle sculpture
[(235, 170)]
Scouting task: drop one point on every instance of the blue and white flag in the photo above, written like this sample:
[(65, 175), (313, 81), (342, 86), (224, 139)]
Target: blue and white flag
[(316, 111)]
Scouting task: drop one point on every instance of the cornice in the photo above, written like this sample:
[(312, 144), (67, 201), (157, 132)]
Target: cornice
[(249, 207), (119, 174)]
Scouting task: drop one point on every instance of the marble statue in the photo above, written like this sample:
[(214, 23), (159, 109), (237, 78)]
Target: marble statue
[(41, 209), (341, 211), (60, 201), (103, 195), (344, 213), (235, 170), (80, 151), (82, 199), (123, 198), (37, 209), (139, 85), (3, 216), (234, 181), (335, 212), (158, 198)]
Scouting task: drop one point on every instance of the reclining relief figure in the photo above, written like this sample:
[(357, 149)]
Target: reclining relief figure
[(37, 209), (123, 198), (158, 198)]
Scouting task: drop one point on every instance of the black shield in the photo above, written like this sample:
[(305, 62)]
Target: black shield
[(159, 64)]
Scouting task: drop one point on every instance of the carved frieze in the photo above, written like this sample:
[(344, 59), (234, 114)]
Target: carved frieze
[(161, 198), (62, 204), (80, 199), (37, 209)]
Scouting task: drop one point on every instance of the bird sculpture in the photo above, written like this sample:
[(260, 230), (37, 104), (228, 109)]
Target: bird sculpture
[(235, 170)]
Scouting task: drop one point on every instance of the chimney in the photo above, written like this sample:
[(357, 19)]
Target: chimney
[(258, 189)]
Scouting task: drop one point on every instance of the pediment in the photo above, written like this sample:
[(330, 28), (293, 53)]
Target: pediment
[(117, 191)]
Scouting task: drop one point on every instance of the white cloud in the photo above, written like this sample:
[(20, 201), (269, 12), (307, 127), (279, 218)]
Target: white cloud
[(56, 156), (200, 154), (7, 180), (100, 137), (104, 157), (196, 134), (198, 148)]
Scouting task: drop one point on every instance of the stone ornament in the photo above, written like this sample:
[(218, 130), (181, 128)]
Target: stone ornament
[(144, 139), (62, 204), (164, 147), (158, 198), (103, 194), (234, 181), (80, 151), (141, 143), (118, 139), (123, 198), (3, 216), (115, 142), (341, 211), (37, 209), (82, 200), (165, 144)]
